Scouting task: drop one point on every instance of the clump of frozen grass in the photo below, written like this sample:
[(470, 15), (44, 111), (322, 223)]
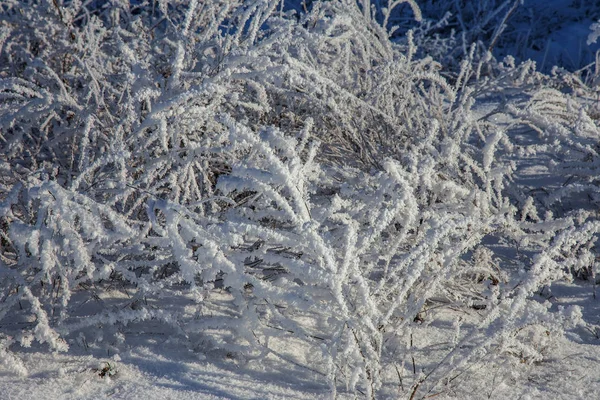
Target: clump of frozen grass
[(9, 360), (305, 173)]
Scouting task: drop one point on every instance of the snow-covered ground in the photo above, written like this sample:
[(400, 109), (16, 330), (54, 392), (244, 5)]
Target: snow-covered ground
[(155, 368), (147, 372)]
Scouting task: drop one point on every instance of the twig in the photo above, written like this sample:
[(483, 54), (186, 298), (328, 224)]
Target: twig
[(502, 25), (414, 391), (60, 14), (399, 377)]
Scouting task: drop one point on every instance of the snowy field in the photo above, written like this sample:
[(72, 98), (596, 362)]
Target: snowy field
[(229, 199), (152, 370)]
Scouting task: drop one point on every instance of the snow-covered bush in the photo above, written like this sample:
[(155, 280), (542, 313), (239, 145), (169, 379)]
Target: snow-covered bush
[(300, 177)]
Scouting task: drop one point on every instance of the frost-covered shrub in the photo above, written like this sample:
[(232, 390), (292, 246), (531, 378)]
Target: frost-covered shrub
[(556, 116), (548, 33), (299, 176)]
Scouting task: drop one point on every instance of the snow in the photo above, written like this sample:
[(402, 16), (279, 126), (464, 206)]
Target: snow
[(142, 373), (153, 368)]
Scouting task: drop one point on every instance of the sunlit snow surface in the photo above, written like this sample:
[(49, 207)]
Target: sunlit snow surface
[(156, 368)]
